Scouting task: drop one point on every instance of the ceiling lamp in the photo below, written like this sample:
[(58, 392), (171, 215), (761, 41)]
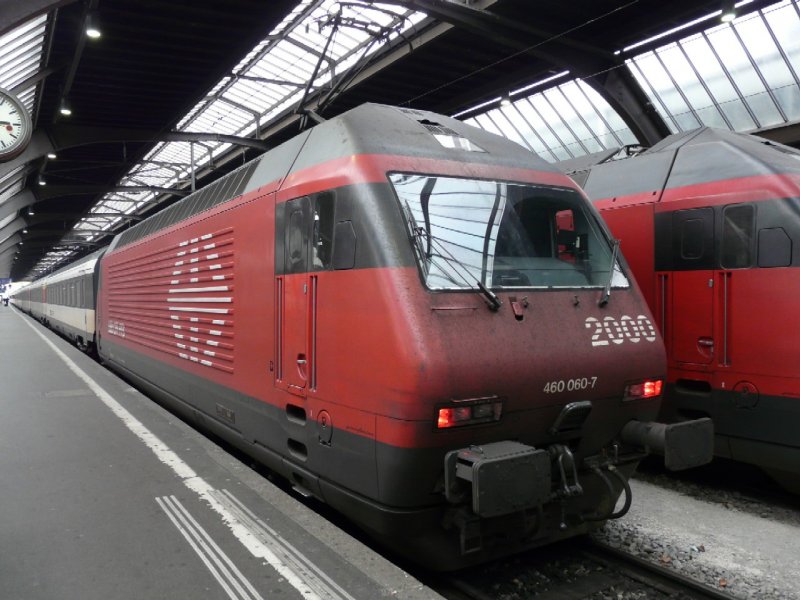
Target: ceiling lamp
[(42, 181), (728, 12), (505, 100), (93, 26), (51, 155), (64, 108)]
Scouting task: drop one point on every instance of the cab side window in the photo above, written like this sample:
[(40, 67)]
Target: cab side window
[(322, 231), (296, 240), (737, 236), (774, 248)]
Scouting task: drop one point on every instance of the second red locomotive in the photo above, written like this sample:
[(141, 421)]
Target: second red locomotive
[(709, 223)]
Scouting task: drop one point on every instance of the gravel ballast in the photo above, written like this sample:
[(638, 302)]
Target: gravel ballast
[(727, 542)]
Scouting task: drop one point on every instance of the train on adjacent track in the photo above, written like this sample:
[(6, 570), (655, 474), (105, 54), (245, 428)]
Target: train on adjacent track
[(710, 223), (417, 322)]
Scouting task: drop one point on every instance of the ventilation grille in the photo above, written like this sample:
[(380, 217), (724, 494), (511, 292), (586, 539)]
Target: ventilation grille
[(177, 300), (224, 189), (437, 129)]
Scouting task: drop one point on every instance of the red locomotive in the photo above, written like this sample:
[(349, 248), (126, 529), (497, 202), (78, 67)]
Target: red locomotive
[(709, 223), (415, 321)]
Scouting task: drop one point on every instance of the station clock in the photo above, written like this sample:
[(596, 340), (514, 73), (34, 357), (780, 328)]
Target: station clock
[(15, 126)]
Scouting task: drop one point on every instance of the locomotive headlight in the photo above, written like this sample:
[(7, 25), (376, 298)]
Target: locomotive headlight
[(645, 389), (471, 411)]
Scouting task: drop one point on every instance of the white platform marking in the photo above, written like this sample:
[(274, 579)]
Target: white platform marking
[(214, 558), (190, 479)]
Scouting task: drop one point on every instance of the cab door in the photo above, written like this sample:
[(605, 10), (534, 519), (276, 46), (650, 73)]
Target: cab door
[(692, 295), (293, 298)]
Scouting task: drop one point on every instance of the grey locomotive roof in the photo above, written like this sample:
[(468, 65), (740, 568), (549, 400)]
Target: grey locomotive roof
[(381, 129), (684, 159), (367, 129)]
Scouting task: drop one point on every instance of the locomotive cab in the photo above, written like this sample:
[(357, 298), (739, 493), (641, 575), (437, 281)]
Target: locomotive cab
[(537, 396)]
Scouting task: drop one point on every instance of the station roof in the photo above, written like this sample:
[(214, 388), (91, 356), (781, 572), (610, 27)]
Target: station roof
[(176, 93)]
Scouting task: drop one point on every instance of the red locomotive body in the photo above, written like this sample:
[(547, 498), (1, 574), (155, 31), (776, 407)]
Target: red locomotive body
[(709, 222), (417, 322)]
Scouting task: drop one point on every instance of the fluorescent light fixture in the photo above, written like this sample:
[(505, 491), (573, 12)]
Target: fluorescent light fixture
[(728, 12), (539, 83), (478, 106), (93, 27), (681, 27), (506, 100)]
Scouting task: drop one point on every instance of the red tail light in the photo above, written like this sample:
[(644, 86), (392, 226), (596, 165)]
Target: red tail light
[(469, 412), (645, 389)]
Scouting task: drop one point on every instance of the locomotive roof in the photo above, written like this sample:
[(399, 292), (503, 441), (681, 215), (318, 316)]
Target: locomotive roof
[(381, 129), (366, 129), (688, 158)]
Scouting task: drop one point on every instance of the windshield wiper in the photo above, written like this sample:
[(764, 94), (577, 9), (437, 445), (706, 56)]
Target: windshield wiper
[(607, 290), (491, 298), (418, 232)]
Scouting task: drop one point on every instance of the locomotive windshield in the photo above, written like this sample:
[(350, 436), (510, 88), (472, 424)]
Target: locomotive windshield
[(470, 233)]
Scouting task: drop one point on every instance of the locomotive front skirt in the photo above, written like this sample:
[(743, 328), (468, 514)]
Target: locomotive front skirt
[(420, 323)]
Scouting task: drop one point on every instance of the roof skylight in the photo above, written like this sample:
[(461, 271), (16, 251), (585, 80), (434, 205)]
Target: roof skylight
[(267, 82)]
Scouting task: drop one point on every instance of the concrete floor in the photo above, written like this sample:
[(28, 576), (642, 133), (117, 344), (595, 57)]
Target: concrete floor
[(107, 495)]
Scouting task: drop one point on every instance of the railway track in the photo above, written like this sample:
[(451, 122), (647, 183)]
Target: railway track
[(663, 579), (581, 570)]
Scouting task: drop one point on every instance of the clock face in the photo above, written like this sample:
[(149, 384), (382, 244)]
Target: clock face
[(15, 126)]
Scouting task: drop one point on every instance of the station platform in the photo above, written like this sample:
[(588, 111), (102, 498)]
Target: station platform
[(105, 494)]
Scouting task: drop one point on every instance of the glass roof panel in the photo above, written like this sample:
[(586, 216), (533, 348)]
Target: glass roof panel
[(741, 76), (574, 120), (7, 220), (506, 127), (559, 123), (565, 137), (745, 75), (221, 117), (21, 57), (487, 124), (270, 79), (11, 182)]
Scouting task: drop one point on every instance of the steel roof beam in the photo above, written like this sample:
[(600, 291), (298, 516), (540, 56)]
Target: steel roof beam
[(69, 136), (606, 73), (24, 199)]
